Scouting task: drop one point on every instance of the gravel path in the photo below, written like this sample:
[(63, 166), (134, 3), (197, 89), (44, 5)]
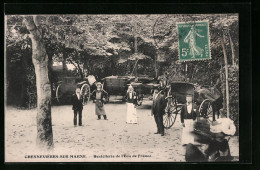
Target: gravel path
[(109, 140)]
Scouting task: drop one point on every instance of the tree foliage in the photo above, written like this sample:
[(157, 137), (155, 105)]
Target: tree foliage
[(105, 45)]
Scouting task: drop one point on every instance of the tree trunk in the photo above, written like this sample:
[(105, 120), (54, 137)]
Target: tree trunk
[(80, 71), (223, 88), (135, 43), (6, 86), (136, 51), (226, 73), (232, 49), (40, 62), (50, 70), (64, 66), (186, 70), (156, 65)]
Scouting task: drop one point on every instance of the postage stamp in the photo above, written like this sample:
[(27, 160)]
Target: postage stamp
[(194, 41)]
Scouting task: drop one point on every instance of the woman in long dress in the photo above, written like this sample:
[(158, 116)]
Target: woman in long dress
[(131, 116), (189, 114), (99, 97)]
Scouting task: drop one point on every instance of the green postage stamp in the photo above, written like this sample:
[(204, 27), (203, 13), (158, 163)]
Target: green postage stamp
[(194, 40)]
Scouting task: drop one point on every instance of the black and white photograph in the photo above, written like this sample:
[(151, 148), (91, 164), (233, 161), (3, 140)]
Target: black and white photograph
[(121, 87)]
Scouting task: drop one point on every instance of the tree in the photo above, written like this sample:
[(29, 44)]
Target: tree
[(18, 64), (40, 62), (226, 74), (95, 43)]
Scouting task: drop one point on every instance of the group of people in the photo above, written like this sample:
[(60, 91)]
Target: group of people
[(158, 108), (98, 96), (199, 131), (195, 129)]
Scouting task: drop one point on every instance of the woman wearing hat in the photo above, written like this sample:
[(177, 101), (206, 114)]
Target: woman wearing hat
[(99, 96), (131, 101), (189, 113)]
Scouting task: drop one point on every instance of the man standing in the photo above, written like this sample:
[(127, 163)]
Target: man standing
[(77, 106), (159, 104)]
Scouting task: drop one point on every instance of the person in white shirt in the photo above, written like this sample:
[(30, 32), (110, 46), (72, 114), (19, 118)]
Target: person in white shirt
[(131, 101)]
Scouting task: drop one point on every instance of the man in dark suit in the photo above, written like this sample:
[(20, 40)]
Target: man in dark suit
[(159, 104), (77, 106)]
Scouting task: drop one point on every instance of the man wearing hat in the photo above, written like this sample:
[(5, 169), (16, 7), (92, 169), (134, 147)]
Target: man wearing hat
[(99, 97), (158, 109), (77, 107)]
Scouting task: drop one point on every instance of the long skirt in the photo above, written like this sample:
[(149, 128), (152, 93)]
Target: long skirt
[(99, 108), (187, 136), (131, 116)]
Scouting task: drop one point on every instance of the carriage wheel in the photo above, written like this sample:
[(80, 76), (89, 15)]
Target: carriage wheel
[(205, 108), (85, 92), (58, 95), (170, 115)]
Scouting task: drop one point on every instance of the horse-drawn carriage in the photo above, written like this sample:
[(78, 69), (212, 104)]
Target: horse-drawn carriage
[(113, 85), (176, 97), (117, 85), (67, 87), (143, 86)]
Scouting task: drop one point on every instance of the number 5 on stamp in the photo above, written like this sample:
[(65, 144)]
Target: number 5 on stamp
[(194, 40)]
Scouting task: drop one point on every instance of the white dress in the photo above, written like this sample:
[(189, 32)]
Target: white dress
[(131, 116)]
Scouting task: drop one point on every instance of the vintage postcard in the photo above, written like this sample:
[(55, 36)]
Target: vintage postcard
[(122, 88)]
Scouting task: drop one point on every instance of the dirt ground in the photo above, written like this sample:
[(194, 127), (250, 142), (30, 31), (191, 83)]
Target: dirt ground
[(109, 140)]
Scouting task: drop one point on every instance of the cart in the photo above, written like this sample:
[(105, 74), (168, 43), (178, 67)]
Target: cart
[(67, 87), (115, 85), (143, 86), (176, 98), (118, 85)]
